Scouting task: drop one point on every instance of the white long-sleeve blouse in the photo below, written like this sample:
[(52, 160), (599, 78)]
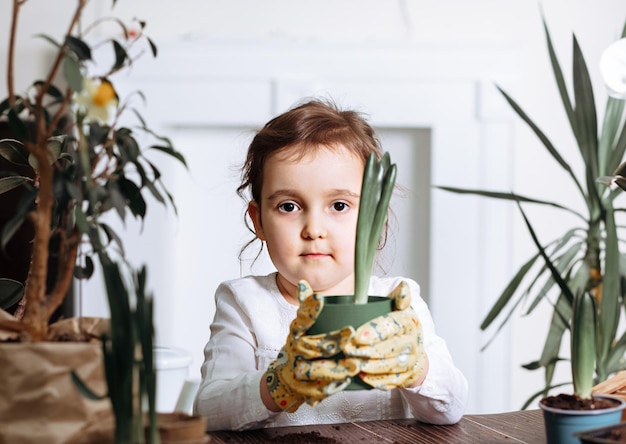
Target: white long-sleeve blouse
[(250, 327)]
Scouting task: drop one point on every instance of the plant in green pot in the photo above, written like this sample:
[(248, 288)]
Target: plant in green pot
[(379, 178), (83, 158)]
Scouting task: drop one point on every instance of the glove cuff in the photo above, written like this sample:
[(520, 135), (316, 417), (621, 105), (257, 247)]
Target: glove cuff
[(284, 397)]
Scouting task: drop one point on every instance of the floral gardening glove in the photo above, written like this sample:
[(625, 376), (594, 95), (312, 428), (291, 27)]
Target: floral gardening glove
[(300, 373), (390, 347)]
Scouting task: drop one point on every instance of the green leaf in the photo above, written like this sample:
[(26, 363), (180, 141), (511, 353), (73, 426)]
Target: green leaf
[(84, 389), (52, 90), (153, 47), (508, 293), (377, 186), (120, 55), (583, 344), (135, 201), (112, 237), (559, 324), (609, 316), (608, 156), (619, 149), (557, 277), (558, 76), (129, 149), (78, 47), (542, 392), (10, 182), (49, 39), (25, 205), (509, 196), (11, 292), (544, 139), (84, 271), (72, 73), (586, 123), (14, 151), (17, 126), (172, 152), (563, 264)]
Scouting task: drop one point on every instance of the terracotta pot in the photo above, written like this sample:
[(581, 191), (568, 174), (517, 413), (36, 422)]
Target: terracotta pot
[(180, 428), (341, 311), (561, 425)]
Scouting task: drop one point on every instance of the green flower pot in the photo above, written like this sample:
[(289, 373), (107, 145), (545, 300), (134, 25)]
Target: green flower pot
[(341, 311)]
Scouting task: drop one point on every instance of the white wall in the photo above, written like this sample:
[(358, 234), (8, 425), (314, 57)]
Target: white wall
[(513, 24)]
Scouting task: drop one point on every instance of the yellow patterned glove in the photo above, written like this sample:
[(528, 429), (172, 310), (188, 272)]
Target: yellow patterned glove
[(300, 373), (390, 347)]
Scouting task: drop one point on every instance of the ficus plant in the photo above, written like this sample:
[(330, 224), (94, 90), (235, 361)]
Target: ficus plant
[(580, 273), (379, 178), (72, 131), (86, 152)]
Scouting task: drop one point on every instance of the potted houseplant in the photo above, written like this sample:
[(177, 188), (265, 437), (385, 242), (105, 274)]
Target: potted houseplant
[(584, 264), (379, 178), (69, 130), (588, 255), (566, 414)]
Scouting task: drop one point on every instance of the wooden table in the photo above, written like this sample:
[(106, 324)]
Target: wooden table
[(515, 427)]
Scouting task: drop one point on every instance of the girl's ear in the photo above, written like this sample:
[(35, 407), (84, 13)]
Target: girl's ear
[(255, 215)]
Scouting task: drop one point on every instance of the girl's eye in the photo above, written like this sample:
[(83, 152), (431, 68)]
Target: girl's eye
[(340, 207), (287, 207)]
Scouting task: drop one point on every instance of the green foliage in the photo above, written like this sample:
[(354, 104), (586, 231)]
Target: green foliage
[(98, 164), (583, 268), (86, 158), (377, 186), (11, 292)]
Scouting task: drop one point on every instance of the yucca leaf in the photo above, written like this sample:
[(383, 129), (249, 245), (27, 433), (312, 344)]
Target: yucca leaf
[(509, 196), (614, 362), (508, 293), (559, 324), (504, 321), (563, 264), (610, 153), (557, 277), (610, 288), (618, 151), (558, 76), (544, 139), (542, 392), (586, 128)]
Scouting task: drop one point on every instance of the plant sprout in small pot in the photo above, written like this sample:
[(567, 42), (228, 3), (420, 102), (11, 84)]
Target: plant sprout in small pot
[(379, 178)]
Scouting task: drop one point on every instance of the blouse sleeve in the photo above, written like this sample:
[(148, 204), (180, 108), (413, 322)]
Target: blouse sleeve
[(442, 397), (229, 394)]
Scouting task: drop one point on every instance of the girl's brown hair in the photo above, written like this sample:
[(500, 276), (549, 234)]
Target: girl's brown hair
[(305, 128)]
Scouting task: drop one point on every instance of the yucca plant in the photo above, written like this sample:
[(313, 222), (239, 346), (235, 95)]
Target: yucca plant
[(585, 262), (379, 178)]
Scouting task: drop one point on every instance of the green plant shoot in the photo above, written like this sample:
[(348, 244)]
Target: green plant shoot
[(583, 344), (379, 179)]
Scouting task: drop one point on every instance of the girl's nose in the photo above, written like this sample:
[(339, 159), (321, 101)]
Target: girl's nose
[(314, 229)]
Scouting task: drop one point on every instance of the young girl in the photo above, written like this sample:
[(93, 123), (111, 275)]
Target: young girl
[(303, 172)]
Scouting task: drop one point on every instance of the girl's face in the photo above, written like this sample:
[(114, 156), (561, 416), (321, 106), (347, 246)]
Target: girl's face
[(307, 216)]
